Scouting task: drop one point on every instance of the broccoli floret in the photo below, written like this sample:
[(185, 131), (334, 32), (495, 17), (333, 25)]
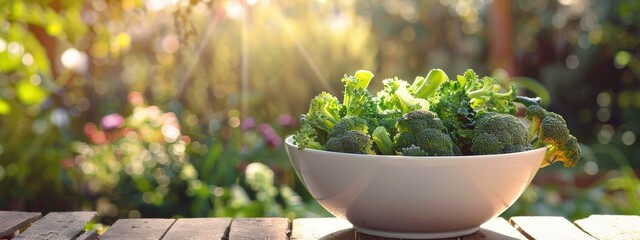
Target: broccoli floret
[(418, 120), (413, 150), (352, 141), (358, 101), (497, 133), (382, 141), (548, 129), (485, 143), (396, 95), (324, 112), (350, 135), (425, 130), (349, 123), (306, 138), (487, 96)]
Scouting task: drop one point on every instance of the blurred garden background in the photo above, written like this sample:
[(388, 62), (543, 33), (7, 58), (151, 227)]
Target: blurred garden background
[(178, 108)]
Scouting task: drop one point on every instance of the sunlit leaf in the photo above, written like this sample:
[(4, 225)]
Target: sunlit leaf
[(5, 107), (30, 94)]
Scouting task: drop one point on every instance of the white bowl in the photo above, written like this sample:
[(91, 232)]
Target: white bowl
[(414, 197)]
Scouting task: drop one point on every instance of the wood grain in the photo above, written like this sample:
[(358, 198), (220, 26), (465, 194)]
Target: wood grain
[(142, 228), (548, 228), (259, 228), (58, 225), (611, 226), (321, 228), (10, 221), (199, 228)]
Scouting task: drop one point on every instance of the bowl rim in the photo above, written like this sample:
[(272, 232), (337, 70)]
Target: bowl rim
[(289, 142)]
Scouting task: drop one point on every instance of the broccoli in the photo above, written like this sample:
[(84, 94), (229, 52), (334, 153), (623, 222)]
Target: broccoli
[(489, 98), (400, 96), (350, 135), (548, 129), (426, 87), (497, 133), (454, 109), (459, 102), (422, 129), (349, 123), (358, 101), (382, 141), (306, 138), (324, 112), (396, 96)]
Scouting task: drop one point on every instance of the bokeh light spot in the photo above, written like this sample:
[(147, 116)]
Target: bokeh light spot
[(27, 59), (572, 61), (605, 134), (75, 60), (603, 99), (234, 122), (621, 59), (15, 48), (603, 114), (170, 43), (591, 168), (628, 138)]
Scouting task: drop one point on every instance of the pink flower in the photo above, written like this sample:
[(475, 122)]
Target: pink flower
[(248, 123), (286, 120), (271, 137), (112, 121)]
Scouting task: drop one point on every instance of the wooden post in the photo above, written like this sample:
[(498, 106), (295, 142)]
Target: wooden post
[(500, 30)]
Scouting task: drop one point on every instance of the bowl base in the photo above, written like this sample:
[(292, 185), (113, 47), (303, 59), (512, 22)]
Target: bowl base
[(416, 235)]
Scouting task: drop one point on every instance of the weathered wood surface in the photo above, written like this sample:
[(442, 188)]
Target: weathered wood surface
[(10, 222), (70, 225), (338, 229), (260, 228), (58, 225), (199, 228), (611, 226), (548, 228), (143, 228)]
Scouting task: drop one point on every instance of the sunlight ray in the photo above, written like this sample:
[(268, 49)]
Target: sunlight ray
[(282, 22), (244, 64), (217, 15)]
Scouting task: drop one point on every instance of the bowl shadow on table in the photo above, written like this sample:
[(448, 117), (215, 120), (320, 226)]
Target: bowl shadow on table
[(352, 234)]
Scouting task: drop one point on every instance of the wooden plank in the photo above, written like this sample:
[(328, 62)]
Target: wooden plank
[(10, 221), (337, 229), (199, 228), (548, 228), (611, 226), (497, 228), (88, 235), (321, 228), (260, 228), (58, 225), (141, 228)]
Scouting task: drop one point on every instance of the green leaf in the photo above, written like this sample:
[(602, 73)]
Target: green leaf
[(30, 94), (5, 107)]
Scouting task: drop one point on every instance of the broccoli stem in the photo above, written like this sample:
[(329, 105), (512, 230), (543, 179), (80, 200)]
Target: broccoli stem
[(428, 86), (383, 140)]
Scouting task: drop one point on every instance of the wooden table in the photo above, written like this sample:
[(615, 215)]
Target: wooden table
[(70, 225)]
